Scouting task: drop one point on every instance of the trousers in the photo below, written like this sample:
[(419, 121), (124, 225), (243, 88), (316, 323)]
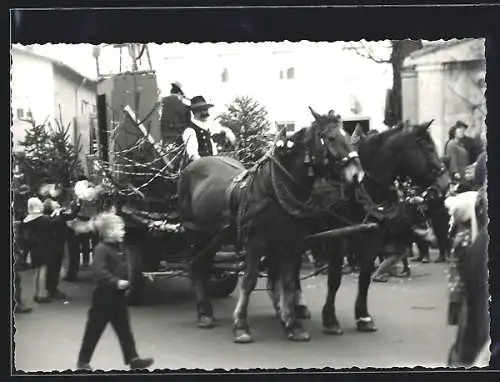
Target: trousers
[(54, 268), (108, 306), (78, 243)]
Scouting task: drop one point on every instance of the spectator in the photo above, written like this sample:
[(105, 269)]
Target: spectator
[(38, 229), (20, 306), (456, 153)]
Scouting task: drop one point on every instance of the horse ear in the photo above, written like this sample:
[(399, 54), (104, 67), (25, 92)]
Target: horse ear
[(424, 127), (315, 114), (358, 135), (281, 135)]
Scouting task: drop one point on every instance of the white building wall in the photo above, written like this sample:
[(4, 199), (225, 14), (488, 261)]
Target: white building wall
[(74, 100), (326, 77), (32, 87)]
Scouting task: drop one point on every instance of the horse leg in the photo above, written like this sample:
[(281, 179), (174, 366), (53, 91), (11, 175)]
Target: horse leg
[(331, 324), (371, 248), (200, 269), (302, 311), (241, 328), (287, 284), (272, 288)]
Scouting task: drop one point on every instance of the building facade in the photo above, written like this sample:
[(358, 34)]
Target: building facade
[(446, 82), (286, 78), (46, 90), (43, 89)]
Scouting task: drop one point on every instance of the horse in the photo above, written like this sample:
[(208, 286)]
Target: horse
[(266, 210), (405, 151)]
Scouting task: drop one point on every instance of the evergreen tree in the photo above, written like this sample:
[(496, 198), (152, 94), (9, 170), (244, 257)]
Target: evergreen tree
[(66, 166), (249, 122), (49, 155), (36, 162)]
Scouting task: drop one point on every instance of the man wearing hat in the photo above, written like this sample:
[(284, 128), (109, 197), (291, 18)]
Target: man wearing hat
[(196, 136), (175, 114)]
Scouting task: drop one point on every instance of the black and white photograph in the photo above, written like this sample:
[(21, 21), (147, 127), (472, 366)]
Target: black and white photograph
[(250, 205)]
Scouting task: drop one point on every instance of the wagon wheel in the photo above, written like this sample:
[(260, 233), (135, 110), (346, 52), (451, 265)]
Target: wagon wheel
[(222, 283)]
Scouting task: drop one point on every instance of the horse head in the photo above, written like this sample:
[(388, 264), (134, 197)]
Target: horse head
[(406, 151), (323, 150), (333, 149)]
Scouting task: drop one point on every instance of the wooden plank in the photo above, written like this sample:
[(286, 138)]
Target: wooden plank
[(342, 231), (157, 147)]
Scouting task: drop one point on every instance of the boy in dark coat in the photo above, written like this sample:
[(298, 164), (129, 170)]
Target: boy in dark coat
[(109, 298)]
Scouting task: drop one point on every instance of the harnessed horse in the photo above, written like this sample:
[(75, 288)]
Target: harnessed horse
[(399, 152), (267, 210)]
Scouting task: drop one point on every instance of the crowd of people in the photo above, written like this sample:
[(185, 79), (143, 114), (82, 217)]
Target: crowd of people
[(45, 223)]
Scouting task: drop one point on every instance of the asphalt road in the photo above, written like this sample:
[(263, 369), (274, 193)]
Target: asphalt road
[(410, 314)]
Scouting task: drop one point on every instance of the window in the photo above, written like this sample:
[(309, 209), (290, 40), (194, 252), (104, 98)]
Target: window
[(225, 75), (289, 126), (20, 113), (85, 106), (29, 115), (290, 73)]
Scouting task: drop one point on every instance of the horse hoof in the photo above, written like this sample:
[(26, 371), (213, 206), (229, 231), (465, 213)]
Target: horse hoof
[(333, 330), (299, 337), (302, 312), (205, 322), (366, 325), (242, 336), (298, 334)]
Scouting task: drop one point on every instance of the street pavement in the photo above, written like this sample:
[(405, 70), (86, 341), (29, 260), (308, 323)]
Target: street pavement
[(410, 314)]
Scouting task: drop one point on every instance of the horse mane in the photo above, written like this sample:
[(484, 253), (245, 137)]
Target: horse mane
[(372, 144)]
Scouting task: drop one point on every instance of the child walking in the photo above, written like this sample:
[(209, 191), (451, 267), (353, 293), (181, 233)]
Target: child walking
[(109, 298)]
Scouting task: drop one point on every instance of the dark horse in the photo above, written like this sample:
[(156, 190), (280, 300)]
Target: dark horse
[(397, 153), (267, 210)]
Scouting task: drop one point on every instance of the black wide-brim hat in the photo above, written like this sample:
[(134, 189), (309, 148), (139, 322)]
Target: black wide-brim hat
[(199, 103)]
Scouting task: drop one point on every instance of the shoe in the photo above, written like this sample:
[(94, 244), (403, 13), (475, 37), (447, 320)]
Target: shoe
[(42, 300), (83, 366), (425, 260), (22, 309), (141, 363), (440, 259)]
